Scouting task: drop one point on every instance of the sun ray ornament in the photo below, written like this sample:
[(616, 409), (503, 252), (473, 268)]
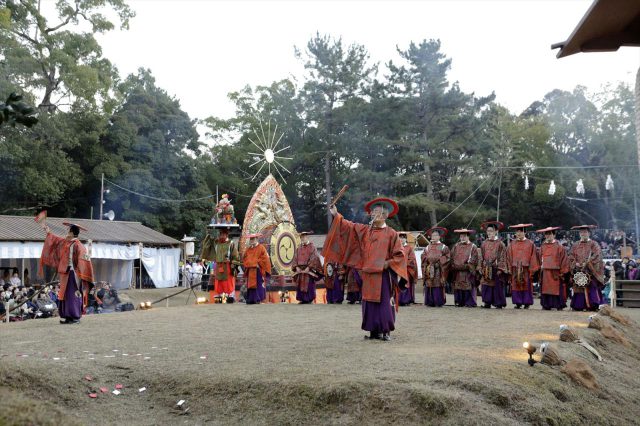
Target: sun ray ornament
[(552, 188), (580, 187), (265, 141)]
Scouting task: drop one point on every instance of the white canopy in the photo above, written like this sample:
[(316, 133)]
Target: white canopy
[(111, 262)]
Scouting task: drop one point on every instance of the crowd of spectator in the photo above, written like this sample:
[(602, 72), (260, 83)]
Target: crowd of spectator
[(25, 300)]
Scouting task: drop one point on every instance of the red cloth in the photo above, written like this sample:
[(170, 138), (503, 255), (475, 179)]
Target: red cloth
[(554, 264), (435, 265), (55, 253), (306, 256), (365, 248), (352, 283), (493, 254), (587, 252), (412, 263), (254, 258), (227, 285), (522, 260), (464, 259)]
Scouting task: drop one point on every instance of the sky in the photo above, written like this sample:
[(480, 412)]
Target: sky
[(200, 50)]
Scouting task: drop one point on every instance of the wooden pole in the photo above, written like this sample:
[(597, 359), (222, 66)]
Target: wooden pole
[(101, 195)]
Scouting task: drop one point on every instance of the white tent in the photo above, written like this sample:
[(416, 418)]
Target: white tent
[(113, 261)]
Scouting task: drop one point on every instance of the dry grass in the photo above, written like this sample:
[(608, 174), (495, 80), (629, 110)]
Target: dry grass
[(294, 364)]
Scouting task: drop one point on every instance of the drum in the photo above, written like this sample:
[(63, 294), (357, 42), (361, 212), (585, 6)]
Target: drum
[(581, 279)]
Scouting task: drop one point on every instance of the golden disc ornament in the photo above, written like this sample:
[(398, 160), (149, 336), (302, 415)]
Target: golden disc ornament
[(284, 243)]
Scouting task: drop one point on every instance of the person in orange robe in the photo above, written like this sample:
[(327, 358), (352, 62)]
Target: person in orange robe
[(523, 263), (464, 260), (307, 268), (376, 252), (492, 267), (257, 270), (554, 267), (585, 256), (73, 264), (224, 252), (435, 268), (408, 294)]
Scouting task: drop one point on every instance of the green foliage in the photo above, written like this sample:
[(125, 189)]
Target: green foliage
[(14, 111), (408, 132)]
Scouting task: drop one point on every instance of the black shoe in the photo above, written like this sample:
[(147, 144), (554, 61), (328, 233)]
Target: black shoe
[(517, 307), (75, 321), (65, 321), (499, 307), (386, 337), (486, 306), (372, 336), (526, 306)]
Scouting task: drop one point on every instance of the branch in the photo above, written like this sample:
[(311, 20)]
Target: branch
[(25, 36), (62, 24)]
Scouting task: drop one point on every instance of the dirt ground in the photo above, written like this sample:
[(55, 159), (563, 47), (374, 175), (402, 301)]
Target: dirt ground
[(309, 364)]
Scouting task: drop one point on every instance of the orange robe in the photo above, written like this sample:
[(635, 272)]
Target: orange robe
[(254, 258), (55, 253), (305, 256), (435, 265), (365, 248), (522, 261), (554, 264)]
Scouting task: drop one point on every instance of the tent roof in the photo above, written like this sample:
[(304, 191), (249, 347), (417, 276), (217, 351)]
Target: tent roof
[(607, 25), (24, 228)]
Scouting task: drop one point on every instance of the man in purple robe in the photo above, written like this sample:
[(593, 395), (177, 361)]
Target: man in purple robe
[(307, 268), (334, 278), (407, 294), (493, 267), (464, 259), (376, 252), (523, 263), (587, 271), (435, 268), (73, 264), (354, 284)]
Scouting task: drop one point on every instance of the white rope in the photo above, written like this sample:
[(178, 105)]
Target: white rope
[(464, 201)]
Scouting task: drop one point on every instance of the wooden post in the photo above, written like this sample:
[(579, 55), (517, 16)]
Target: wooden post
[(613, 290)]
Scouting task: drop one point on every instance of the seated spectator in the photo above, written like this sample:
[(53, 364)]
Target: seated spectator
[(15, 279), (27, 281)]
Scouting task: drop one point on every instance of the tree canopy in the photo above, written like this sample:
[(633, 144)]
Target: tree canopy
[(402, 129)]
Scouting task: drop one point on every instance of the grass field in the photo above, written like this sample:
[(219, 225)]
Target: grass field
[(309, 364)]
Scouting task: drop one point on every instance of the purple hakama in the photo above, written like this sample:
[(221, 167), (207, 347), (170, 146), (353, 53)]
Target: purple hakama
[(523, 297), (307, 296), (258, 294), (380, 317), (465, 298), (355, 296), (336, 294), (579, 303), (549, 301), (494, 295), (406, 296), (434, 296), (71, 307)]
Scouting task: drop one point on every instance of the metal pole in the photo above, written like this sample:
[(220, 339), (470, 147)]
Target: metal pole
[(91, 215), (101, 196)]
